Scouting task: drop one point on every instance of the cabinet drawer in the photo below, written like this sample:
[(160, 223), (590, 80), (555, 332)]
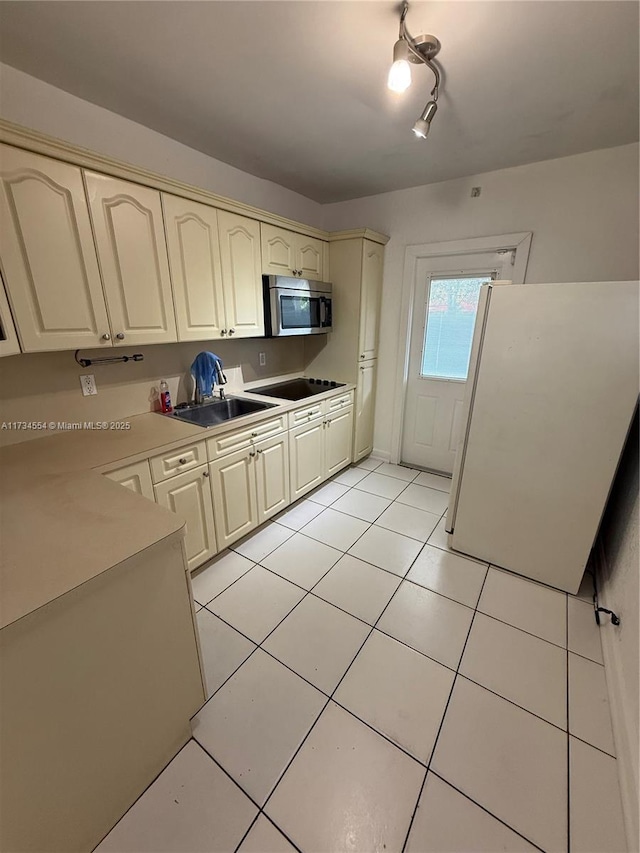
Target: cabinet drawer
[(334, 404), (176, 461), (242, 438), (309, 413)]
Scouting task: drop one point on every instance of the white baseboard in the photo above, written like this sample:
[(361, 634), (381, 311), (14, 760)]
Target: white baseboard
[(622, 726), (381, 454)]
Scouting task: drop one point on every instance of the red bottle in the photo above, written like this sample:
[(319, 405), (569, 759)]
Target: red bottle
[(165, 398)]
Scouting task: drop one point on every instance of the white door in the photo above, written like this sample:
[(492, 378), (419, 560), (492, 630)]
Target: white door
[(278, 250), (189, 496), (272, 475), (309, 256), (194, 259), (444, 311), (233, 486), (338, 440), (132, 250)]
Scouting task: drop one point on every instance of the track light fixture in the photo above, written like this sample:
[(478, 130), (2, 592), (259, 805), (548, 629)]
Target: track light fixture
[(419, 50)]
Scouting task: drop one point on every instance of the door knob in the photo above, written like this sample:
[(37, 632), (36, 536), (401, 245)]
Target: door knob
[(120, 336), (232, 331), (205, 473), (223, 331), (106, 336), (182, 461), (362, 356)]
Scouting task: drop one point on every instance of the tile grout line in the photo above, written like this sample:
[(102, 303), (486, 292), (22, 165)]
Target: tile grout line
[(444, 715)]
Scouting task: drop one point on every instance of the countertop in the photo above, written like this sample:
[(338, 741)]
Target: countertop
[(62, 523)]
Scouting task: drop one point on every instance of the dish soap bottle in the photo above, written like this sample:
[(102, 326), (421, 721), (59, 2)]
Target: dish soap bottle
[(165, 398)]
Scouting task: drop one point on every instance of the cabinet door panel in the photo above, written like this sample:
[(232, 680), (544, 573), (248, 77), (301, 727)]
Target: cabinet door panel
[(136, 477), (272, 476), (338, 440), (233, 485), (309, 257), (48, 254), (372, 260), (127, 221), (306, 457), (8, 337), (365, 405), (189, 496), (241, 274), (278, 250), (194, 260)]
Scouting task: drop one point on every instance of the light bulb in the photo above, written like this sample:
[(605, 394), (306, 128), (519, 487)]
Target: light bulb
[(399, 78), (422, 126)]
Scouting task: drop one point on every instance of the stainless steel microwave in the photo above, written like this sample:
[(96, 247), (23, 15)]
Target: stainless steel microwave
[(296, 306)]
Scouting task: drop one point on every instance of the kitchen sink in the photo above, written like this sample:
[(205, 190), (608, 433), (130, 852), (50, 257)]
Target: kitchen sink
[(219, 411)]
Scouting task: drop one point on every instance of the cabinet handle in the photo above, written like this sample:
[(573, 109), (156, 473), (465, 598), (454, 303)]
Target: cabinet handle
[(362, 356), (362, 368), (223, 331), (205, 473), (120, 336), (259, 451), (183, 461), (232, 331), (252, 453), (106, 336), (254, 435)]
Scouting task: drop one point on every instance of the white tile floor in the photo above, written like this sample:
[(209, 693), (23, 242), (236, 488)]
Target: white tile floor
[(370, 692)]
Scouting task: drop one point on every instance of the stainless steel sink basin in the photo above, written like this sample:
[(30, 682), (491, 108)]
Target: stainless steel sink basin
[(219, 411)]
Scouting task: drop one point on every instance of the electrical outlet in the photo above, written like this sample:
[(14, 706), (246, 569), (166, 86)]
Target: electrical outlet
[(88, 384), (263, 359)]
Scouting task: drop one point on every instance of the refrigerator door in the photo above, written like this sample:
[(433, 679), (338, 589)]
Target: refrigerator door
[(554, 389)]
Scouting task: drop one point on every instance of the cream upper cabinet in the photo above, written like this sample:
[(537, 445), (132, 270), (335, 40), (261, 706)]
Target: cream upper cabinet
[(48, 254), (272, 475), (365, 404), (338, 440), (8, 338), (233, 486), (189, 496), (241, 275), (127, 223), (372, 261), (288, 253), (194, 259)]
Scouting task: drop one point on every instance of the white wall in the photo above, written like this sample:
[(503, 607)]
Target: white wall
[(582, 210), (32, 103)]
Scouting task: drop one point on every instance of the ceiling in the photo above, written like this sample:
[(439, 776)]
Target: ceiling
[(295, 92)]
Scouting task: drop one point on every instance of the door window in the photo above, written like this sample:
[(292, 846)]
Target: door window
[(451, 314)]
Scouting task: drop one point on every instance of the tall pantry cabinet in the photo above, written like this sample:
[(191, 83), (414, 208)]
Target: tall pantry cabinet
[(356, 264)]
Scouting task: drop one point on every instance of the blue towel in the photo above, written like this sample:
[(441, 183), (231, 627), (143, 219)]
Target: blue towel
[(207, 372)]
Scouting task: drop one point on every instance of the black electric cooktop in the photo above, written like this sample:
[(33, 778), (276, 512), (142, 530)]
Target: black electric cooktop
[(297, 389)]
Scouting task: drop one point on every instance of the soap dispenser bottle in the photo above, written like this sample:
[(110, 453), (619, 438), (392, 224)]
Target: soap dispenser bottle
[(165, 398)]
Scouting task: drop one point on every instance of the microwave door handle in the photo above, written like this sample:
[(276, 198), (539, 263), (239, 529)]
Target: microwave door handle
[(323, 312)]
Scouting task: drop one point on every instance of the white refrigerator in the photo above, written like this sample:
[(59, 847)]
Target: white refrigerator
[(552, 390)]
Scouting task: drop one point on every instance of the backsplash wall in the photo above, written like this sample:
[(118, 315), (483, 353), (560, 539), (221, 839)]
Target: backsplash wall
[(45, 386)]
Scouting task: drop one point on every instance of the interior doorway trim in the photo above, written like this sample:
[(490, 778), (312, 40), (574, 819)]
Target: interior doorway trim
[(518, 243)]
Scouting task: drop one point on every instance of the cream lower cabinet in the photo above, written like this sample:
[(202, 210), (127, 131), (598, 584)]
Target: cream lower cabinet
[(272, 476), (306, 456), (189, 496), (365, 405), (250, 486), (233, 486), (338, 441), (136, 478)]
